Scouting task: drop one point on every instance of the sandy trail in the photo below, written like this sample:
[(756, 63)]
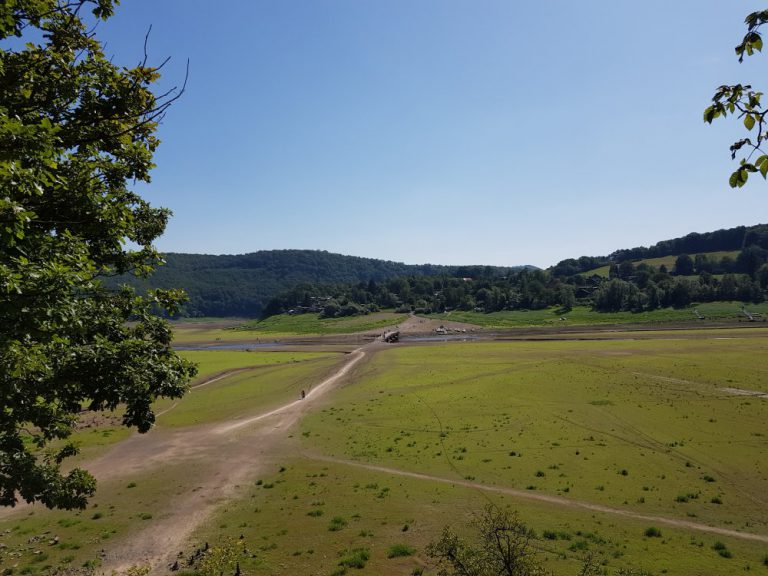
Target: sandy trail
[(548, 498), (223, 456), (226, 455)]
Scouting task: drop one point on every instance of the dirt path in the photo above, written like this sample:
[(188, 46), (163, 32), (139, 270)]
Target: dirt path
[(548, 498), (222, 457)]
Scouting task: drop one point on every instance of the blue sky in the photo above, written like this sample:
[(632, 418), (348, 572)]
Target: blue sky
[(450, 132)]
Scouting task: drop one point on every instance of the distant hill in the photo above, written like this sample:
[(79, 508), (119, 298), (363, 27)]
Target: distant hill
[(725, 240), (241, 285)]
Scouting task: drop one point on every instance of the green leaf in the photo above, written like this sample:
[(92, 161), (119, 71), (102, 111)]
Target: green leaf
[(749, 121), (764, 168)]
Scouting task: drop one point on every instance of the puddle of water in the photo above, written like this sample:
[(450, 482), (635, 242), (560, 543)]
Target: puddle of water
[(446, 338)]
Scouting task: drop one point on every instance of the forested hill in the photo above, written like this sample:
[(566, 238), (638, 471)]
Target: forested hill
[(725, 240), (241, 285), (724, 265)]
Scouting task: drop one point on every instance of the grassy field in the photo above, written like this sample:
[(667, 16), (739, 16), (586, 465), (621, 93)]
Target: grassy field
[(126, 504), (299, 324), (646, 427), (266, 386), (640, 426), (211, 362), (585, 316), (668, 261), (283, 325), (310, 517)]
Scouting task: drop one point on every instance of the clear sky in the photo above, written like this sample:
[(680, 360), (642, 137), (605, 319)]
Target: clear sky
[(442, 131)]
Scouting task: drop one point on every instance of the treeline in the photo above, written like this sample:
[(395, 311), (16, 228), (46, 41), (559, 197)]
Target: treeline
[(526, 288), (269, 282), (242, 285), (628, 287), (726, 240)]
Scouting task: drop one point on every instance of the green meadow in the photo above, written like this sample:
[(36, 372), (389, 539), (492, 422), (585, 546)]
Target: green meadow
[(310, 517), (269, 329), (641, 426), (300, 324), (668, 261), (129, 503), (585, 316), (666, 426), (278, 380)]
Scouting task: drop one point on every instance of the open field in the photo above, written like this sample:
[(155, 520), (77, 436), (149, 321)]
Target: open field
[(584, 316), (668, 261), (593, 442), (269, 330)]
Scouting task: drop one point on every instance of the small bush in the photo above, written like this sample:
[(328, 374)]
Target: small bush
[(398, 550), (653, 532), (579, 545), (337, 523), (722, 549), (356, 558), (716, 500), (686, 497), (315, 513), (96, 515)]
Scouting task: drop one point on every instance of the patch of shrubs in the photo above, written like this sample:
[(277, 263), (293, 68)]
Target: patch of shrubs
[(722, 549), (337, 523), (398, 550), (356, 558)]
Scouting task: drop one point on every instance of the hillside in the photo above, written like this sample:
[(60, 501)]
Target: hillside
[(721, 266), (731, 240), (241, 285)]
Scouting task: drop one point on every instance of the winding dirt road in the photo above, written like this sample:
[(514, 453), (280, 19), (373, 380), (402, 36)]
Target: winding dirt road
[(224, 457)]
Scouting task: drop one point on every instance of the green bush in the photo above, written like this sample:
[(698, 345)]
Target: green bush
[(356, 558), (398, 550), (337, 523), (653, 532), (722, 549)]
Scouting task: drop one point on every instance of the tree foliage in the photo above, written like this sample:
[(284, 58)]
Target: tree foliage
[(75, 129), (744, 102), (503, 546)]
